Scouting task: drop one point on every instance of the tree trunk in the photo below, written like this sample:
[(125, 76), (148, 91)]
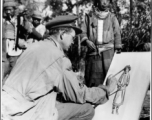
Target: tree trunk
[(151, 15), (130, 14), (79, 43)]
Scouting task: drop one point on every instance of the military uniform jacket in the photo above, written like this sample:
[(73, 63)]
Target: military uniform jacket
[(29, 89)]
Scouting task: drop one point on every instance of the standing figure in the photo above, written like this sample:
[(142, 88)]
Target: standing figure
[(39, 27), (32, 31), (123, 82), (10, 34), (101, 35)]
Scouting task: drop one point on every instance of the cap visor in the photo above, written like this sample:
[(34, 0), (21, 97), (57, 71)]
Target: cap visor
[(77, 30)]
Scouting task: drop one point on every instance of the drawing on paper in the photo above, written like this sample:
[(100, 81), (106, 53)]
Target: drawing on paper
[(122, 84)]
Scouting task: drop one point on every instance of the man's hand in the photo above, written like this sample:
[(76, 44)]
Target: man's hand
[(28, 26), (90, 44), (12, 19), (118, 50), (105, 88), (111, 83)]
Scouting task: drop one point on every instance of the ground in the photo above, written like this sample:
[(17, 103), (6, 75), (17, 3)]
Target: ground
[(145, 113)]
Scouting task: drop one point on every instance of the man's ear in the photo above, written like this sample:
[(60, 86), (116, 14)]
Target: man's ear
[(61, 36)]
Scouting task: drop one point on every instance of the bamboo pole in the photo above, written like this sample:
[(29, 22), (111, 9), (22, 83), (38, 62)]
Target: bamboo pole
[(151, 16), (130, 14), (79, 42)]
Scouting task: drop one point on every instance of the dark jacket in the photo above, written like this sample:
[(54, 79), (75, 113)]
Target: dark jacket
[(111, 30)]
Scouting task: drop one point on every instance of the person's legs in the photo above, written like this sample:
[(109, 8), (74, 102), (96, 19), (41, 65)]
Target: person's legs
[(107, 59), (113, 108), (73, 111), (117, 108), (12, 62), (94, 74), (5, 70), (88, 67)]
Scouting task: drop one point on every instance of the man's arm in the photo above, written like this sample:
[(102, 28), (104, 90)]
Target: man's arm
[(117, 33), (72, 90), (84, 36), (84, 27), (32, 30)]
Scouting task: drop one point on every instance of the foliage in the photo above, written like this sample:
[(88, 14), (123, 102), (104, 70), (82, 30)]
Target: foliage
[(136, 34), (135, 25)]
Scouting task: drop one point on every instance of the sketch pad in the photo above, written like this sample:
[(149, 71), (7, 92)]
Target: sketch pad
[(136, 90)]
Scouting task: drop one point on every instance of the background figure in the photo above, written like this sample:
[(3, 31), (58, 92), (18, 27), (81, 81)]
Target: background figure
[(5, 62), (101, 34), (9, 35), (37, 23), (32, 29), (123, 82)]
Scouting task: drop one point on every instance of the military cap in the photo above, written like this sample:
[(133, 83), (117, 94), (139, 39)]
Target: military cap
[(37, 14), (64, 21), (10, 3)]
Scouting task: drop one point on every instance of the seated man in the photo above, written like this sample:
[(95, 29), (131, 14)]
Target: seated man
[(42, 84)]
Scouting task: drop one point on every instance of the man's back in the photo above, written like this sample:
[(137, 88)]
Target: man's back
[(31, 74)]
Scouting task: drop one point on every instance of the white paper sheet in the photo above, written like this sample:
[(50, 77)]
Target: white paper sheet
[(136, 90)]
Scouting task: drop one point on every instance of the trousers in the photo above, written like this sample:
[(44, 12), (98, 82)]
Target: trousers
[(7, 67), (97, 68), (73, 111)]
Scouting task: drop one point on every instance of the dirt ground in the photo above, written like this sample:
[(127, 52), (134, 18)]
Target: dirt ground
[(145, 113)]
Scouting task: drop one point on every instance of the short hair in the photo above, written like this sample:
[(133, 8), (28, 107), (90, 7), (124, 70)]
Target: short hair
[(96, 2), (128, 66), (14, 7), (54, 31)]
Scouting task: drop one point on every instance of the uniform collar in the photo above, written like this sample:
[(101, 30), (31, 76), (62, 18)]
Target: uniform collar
[(56, 43)]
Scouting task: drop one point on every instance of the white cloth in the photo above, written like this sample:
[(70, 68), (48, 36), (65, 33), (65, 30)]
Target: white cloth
[(41, 29), (10, 47), (100, 31)]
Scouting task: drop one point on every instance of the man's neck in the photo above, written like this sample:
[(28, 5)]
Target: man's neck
[(56, 39)]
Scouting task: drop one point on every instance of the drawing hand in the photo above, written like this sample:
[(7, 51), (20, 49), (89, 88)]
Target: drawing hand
[(105, 88), (118, 50), (111, 83)]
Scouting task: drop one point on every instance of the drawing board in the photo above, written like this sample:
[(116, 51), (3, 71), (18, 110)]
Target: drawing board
[(136, 90)]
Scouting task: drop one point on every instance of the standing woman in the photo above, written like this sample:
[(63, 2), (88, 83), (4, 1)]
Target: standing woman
[(101, 34)]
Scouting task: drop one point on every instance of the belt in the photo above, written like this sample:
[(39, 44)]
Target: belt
[(110, 45), (102, 48)]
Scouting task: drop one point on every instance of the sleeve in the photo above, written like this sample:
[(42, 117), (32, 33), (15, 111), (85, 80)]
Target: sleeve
[(84, 27), (128, 79), (28, 26), (117, 33), (120, 79), (33, 31), (72, 90), (36, 34), (41, 29)]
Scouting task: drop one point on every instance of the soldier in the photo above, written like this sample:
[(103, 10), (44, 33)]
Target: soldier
[(42, 85)]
